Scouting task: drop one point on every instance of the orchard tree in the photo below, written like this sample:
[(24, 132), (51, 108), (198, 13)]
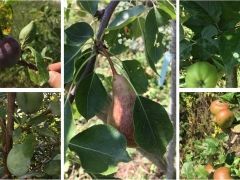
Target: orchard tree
[(30, 135), (27, 49), (130, 118), (209, 44)]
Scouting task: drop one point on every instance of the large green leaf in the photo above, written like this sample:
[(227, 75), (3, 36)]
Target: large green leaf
[(78, 33), (154, 48), (89, 6), (19, 158), (168, 7), (229, 45), (69, 126), (136, 75), (99, 148), (53, 168), (125, 17), (91, 96), (81, 63), (153, 128), (70, 53)]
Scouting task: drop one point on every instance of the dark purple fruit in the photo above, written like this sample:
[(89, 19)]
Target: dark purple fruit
[(10, 52)]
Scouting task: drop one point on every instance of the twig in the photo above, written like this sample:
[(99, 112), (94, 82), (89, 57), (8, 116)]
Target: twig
[(90, 65), (106, 54), (27, 64)]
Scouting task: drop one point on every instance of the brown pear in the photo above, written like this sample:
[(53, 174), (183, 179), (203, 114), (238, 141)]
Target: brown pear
[(121, 112)]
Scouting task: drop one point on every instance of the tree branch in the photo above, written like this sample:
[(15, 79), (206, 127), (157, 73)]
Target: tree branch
[(91, 63), (231, 78), (27, 64), (171, 170), (8, 131)]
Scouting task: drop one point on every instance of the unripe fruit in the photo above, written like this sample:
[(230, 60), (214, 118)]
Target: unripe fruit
[(224, 118), (209, 168), (222, 173), (216, 106), (29, 102), (10, 52), (121, 114), (201, 75)]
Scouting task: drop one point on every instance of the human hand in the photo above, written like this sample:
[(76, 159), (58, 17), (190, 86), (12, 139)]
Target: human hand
[(55, 75)]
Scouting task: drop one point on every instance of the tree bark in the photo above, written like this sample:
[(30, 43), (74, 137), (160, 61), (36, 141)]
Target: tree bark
[(171, 170), (8, 127), (231, 78)]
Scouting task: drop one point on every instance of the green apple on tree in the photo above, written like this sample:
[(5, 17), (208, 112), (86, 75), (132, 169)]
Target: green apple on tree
[(201, 75)]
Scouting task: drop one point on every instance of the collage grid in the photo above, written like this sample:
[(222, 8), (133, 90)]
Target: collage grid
[(103, 122)]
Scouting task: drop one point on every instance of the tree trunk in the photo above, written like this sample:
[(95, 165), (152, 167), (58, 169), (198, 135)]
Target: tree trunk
[(231, 78)]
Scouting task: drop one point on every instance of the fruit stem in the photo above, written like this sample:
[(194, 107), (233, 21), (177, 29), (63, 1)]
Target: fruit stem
[(105, 53)]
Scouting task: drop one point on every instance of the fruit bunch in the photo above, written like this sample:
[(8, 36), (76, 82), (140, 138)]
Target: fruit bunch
[(222, 115)]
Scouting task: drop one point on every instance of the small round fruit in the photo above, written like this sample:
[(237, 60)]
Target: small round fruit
[(209, 168), (217, 105), (201, 75), (224, 118), (10, 52), (222, 173), (29, 102)]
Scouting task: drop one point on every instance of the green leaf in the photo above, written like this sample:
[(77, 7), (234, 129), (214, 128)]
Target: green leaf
[(168, 7), (53, 168), (99, 148), (38, 120), (81, 63), (154, 48), (70, 53), (91, 96), (55, 107), (230, 97), (187, 170), (229, 46), (46, 132), (136, 75), (41, 65), (89, 6), (19, 158), (28, 33), (151, 122), (125, 17), (69, 127), (78, 33), (3, 112), (209, 31)]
